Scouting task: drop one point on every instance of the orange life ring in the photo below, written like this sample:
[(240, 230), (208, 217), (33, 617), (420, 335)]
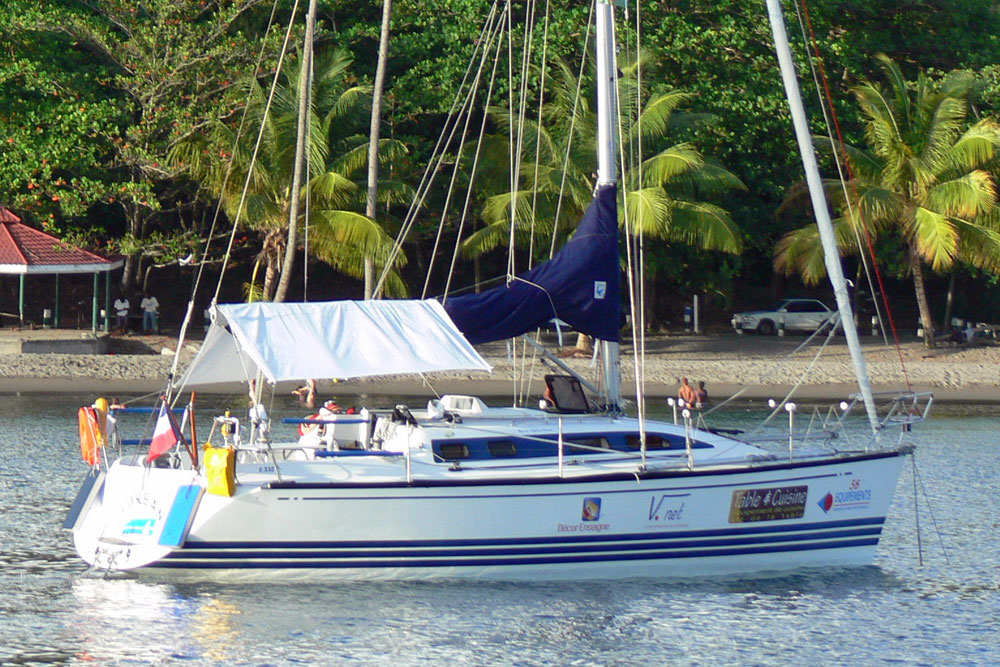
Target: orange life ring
[(306, 429)]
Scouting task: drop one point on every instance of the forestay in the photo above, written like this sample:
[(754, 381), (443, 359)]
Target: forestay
[(333, 339)]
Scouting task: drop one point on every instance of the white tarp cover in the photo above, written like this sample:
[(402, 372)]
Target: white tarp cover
[(333, 339)]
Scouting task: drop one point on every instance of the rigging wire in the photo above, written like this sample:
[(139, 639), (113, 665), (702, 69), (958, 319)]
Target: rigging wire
[(930, 510), (225, 181), (851, 179), (637, 305), (308, 206), (839, 159), (512, 157), (437, 156), (472, 175), (572, 126)]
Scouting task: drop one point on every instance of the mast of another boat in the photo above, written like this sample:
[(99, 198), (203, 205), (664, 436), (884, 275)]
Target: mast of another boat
[(607, 172), (831, 254)]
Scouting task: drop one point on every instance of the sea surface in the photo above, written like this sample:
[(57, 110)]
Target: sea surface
[(944, 611)]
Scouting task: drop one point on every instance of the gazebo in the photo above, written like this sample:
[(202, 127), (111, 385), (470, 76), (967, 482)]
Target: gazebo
[(28, 251)]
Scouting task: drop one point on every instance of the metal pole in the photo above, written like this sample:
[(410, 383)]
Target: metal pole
[(20, 299), (55, 321), (607, 168), (560, 447), (687, 439), (697, 327), (93, 310), (107, 300), (791, 430)]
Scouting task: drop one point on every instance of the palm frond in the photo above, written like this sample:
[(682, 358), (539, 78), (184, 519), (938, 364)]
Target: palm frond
[(649, 211), (706, 226), (935, 237), (333, 190), (331, 231), (968, 196), (980, 244), (670, 163), (800, 252), (977, 146)]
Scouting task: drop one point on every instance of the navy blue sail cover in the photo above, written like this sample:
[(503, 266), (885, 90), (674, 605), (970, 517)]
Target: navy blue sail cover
[(580, 285)]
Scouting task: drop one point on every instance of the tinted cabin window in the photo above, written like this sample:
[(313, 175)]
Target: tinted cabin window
[(501, 448), (601, 443), (652, 442), (453, 450)]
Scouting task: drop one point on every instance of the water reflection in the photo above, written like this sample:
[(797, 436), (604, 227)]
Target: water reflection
[(53, 611)]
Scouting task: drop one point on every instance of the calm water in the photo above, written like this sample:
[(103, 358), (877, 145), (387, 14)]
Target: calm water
[(947, 611)]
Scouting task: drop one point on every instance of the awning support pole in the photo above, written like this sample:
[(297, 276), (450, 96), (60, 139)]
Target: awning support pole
[(93, 313), (55, 322), (20, 299), (107, 300)]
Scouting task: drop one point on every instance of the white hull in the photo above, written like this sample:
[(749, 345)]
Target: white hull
[(667, 524)]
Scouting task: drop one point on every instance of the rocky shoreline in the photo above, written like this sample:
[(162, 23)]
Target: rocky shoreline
[(765, 366)]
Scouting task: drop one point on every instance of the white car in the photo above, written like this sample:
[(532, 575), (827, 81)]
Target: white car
[(796, 314)]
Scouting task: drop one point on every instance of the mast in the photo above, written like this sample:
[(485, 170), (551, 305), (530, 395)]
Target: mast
[(830, 253), (607, 172)]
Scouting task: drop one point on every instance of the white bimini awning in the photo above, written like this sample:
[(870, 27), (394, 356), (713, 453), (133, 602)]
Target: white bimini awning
[(326, 340)]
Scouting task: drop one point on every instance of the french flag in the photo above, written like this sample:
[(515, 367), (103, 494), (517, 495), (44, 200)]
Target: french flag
[(166, 435)]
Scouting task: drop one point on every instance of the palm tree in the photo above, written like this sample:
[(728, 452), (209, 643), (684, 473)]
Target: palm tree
[(664, 195), (922, 180), (339, 232)]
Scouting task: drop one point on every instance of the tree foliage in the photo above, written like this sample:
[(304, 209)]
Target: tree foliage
[(95, 93)]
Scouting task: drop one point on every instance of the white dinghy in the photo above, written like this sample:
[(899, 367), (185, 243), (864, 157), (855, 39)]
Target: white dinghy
[(572, 490)]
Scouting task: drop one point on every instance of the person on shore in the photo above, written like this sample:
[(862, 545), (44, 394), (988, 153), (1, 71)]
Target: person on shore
[(686, 393), (700, 395), (150, 313), (122, 306)]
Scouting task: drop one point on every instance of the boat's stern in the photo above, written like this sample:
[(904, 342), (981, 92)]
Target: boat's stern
[(136, 517)]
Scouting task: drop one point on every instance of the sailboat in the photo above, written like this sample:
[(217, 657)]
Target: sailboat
[(575, 489)]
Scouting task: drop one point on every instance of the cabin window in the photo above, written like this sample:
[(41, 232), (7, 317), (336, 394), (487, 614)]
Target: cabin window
[(652, 442), (502, 448), (601, 443), (453, 450)]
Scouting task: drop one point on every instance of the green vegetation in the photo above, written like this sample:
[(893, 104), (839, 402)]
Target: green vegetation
[(100, 99), (922, 180)]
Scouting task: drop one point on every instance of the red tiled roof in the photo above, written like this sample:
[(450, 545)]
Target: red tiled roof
[(24, 249)]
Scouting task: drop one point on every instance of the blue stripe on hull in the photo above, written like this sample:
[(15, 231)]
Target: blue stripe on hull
[(568, 539), (296, 552), (528, 551), (535, 560)]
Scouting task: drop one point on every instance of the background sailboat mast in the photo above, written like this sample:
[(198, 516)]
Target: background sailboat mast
[(607, 172), (830, 252)]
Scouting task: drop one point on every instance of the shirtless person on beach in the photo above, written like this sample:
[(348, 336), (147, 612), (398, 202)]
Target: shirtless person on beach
[(686, 393)]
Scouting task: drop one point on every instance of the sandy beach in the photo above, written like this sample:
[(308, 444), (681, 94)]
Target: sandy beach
[(726, 362)]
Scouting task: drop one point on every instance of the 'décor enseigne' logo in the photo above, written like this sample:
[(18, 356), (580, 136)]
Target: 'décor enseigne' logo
[(590, 519), (853, 498)]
